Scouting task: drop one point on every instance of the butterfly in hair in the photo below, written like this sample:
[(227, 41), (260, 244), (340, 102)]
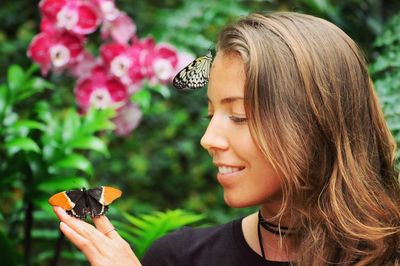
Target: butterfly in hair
[(195, 75), (82, 202)]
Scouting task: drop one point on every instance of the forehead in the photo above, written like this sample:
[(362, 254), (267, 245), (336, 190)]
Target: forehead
[(227, 76)]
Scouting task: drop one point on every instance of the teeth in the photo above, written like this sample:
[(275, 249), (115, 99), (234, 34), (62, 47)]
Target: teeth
[(228, 170)]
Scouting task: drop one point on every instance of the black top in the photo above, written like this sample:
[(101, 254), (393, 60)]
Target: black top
[(220, 245)]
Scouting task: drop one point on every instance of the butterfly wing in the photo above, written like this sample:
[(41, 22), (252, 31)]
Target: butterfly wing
[(81, 208), (101, 197), (80, 203), (195, 75), (73, 201), (94, 198), (62, 200)]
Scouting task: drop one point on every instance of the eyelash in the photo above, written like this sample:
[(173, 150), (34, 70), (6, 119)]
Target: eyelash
[(238, 120), (235, 119)]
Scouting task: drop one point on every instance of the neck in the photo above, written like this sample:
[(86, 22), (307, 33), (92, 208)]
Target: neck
[(276, 248), (270, 212)]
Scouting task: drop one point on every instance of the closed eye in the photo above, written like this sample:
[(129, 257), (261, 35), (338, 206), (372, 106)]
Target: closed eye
[(238, 120), (235, 119)]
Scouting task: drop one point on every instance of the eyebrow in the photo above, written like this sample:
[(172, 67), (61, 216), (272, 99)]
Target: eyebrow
[(228, 99)]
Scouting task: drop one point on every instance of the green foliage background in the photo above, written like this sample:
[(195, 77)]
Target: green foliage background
[(161, 165)]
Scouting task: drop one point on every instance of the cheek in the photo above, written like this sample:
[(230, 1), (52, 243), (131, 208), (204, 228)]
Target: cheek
[(247, 148), (266, 180)]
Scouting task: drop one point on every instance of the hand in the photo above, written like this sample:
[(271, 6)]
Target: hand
[(101, 245)]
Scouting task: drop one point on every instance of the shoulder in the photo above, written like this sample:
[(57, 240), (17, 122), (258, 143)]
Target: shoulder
[(191, 244)]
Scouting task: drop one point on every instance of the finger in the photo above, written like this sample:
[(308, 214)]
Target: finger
[(74, 223), (85, 230), (80, 242), (104, 225)]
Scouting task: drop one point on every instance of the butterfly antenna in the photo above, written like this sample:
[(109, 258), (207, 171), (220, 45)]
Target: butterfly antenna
[(77, 184)]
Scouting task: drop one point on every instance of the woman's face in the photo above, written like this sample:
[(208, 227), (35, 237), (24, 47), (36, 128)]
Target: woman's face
[(247, 177)]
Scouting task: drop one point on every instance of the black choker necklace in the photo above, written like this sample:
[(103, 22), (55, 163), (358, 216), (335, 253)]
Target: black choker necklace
[(270, 227), (273, 228)]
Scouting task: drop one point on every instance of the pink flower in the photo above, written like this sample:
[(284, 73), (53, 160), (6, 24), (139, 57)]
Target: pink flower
[(116, 57), (121, 29), (143, 52), (47, 24), (157, 63), (108, 9), (83, 65), (80, 17), (165, 62), (184, 59), (100, 91), (128, 119), (123, 66), (55, 50), (110, 50), (123, 62), (50, 8), (142, 60)]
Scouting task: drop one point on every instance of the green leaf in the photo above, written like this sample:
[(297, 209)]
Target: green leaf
[(3, 98), (149, 227), (90, 143), (71, 125), (163, 90), (26, 125), (10, 118), (15, 77), (97, 120), (75, 161), (7, 252), (62, 183), (22, 143), (142, 98), (46, 234), (32, 69), (33, 86)]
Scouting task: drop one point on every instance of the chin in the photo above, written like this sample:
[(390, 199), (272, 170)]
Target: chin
[(238, 202)]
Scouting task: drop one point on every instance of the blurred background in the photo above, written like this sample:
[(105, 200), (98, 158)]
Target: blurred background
[(47, 144)]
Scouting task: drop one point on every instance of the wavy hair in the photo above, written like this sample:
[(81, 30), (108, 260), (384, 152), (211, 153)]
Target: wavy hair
[(314, 113)]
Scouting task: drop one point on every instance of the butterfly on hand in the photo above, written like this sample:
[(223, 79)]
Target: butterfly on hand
[(195, 75), (82, 202)]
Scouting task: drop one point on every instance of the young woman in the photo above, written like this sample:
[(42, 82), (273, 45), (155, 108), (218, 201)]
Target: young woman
[(295, 128)]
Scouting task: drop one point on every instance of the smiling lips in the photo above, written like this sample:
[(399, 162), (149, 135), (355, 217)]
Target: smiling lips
[(229, 169)]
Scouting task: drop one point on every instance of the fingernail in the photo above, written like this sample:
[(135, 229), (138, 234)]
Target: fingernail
[(59, 211), (64, 227)]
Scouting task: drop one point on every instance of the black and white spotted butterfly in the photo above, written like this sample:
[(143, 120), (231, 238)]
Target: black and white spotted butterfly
[(195, 75)]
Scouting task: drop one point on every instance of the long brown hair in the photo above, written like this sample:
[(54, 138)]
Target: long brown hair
[(312, 109)]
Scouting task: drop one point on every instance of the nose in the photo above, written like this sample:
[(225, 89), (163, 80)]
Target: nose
[(214, 139)]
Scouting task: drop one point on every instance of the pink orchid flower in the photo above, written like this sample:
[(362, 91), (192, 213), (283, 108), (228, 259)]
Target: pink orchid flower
[(157, 63), (100, 91), (128, 118), (184, 59), (55, 50), (121, 29), (78, 16), (117, 59), (123, 62), (108, 9), (165, 62), (50, 8), (83, 65)]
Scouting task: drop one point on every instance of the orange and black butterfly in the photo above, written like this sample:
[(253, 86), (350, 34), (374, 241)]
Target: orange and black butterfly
[(195, 75), (82, 202)]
